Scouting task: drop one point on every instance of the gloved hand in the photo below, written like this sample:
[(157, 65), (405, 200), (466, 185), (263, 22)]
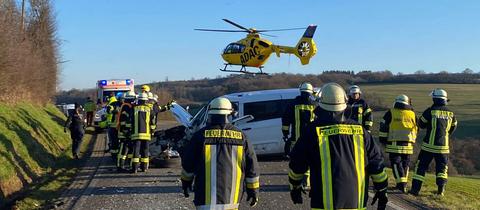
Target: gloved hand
[(252, 194), (170, 104), (296, 195), (186, 186), (382, 198)]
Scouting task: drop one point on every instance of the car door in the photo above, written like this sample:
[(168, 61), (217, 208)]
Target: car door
[(264, 131)]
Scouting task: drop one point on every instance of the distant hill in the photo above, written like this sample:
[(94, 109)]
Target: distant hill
[(201, 90)]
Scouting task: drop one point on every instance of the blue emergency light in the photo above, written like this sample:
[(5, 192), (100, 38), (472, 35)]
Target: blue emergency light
[(103, 82), (128, 82)]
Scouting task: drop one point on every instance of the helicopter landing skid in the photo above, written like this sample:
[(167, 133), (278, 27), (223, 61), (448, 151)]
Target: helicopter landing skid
[(243, 70)]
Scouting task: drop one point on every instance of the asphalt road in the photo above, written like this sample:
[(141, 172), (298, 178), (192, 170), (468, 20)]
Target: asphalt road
[(99, 186)]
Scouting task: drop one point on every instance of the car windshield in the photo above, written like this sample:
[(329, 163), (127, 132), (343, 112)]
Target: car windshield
[(107, 94)]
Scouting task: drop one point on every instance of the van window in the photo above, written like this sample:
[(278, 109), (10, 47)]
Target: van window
[(266, 110)]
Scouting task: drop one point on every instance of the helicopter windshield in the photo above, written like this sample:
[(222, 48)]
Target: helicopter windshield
[(234, 48)]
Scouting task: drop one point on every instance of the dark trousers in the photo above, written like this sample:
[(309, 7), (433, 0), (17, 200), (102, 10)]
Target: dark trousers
[(399, 163), (77, 138), (89, 118), (113, 142), (141, 154), (441, 169), (126, 147)]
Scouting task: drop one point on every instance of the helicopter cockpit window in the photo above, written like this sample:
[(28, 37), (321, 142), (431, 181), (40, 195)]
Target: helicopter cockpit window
[(264, 44), (234, 48)]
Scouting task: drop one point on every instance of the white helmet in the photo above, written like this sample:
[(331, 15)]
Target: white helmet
[(354, 89), (439, 93), (143, 96), (306, 87), (130, 95), (220, 105), (333, 97), (403, 99)]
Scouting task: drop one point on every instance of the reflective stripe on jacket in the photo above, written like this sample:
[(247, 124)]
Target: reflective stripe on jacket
[(141, 123), (398, 130), (440, 122), (297, 115), (217, 157), (341, 157)]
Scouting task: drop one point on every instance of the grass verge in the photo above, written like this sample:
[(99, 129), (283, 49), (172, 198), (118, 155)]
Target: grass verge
[(462, 192), (42, 194)]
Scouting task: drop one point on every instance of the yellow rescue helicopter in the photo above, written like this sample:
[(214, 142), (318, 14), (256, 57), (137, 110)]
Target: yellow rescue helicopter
[(254, 51)]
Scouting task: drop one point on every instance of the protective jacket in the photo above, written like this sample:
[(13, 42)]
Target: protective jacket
[(113, 109), (359, 111), (398, 129), (141, 123), (297, 115), (125, 121), (341, 156), (440, 123), (220, 159)]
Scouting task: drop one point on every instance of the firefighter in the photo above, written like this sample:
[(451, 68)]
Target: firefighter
[(89, 109), (440, 123), (112, 117), (124, 130), (341, 156), (217, 157), (297, 114), (141, 134), (358, 108), (398, 131)]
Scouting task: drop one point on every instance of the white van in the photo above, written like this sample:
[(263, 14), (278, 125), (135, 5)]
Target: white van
[(265, 129)]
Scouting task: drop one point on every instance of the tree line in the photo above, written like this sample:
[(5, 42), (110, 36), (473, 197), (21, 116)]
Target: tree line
[(28, 51)]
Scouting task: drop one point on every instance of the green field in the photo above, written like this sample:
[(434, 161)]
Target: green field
[(465, 102)]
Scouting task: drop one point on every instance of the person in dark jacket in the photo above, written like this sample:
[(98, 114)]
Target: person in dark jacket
[(298, 114), (398, 132), (125, 130), (217, 157), (341, 155), (440, 123), (358, 109), (75, 123)]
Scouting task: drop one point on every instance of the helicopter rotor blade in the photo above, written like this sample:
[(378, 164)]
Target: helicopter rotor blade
[(219, 30), (284, 29), (238, 26), (264, 34)]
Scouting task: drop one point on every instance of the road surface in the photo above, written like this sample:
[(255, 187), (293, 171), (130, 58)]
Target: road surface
[(99, 186)]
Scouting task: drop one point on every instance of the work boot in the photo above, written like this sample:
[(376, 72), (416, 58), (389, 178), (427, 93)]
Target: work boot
[(414, 193), (441, 190), (402, 186)]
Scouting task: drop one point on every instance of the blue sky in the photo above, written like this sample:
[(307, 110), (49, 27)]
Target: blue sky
[(151, 40)]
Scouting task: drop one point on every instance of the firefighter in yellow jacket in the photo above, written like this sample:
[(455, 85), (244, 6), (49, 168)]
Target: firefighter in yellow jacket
[(341, 155), (398, 132), (218, 157), (141, 134), (440, 123)]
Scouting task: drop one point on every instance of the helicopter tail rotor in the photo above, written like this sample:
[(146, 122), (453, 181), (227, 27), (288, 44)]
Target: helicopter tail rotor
[(306, 48)]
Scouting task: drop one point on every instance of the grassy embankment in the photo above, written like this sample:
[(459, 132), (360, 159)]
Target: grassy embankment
[(462, 192), (35, 154)]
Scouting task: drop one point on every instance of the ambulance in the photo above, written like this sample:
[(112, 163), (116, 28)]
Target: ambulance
[(106, 89)]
